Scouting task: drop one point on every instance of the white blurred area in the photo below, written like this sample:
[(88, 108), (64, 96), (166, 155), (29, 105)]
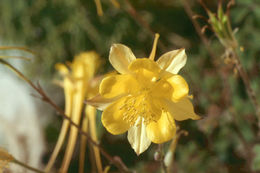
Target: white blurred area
[(21, 132)]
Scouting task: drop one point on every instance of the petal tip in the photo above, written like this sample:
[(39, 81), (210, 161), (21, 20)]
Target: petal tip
[(120, 56), (197, 117)]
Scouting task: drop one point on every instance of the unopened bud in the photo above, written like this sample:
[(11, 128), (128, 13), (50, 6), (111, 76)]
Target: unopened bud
[(157, 156)]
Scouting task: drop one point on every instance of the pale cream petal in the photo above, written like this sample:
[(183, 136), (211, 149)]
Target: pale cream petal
[(181, 110), (162, 130), (120, 57), (113, 118), (168, 158), (137, 136), (100, 102), (173, 61)]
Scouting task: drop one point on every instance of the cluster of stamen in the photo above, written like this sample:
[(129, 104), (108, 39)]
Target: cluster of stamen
[(138, 106)]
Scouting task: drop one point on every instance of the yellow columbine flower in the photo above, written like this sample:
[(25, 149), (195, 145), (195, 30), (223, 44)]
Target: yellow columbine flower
[(79, 83), (146, 97)]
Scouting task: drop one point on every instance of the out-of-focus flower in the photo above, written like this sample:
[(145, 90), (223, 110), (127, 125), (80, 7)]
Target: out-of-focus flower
[(146, 97), (79, 83)]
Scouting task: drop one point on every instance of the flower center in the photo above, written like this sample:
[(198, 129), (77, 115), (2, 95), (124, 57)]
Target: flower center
[(138, 106)]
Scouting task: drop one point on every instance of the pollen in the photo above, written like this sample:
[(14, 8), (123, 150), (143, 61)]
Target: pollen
[(138, 106)]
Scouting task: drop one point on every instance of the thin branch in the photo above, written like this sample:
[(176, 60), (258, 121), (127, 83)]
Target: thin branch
[(234, 56), (197, 27), (119, 164), (15, 57), (27, 166), (17, 48), (247, 84)]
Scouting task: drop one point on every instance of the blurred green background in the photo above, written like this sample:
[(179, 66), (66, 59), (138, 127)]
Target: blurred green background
[(59, 29)]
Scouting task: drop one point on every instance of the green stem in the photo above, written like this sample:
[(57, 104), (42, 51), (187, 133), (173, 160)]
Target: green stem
[(246, 81), (160, 150)]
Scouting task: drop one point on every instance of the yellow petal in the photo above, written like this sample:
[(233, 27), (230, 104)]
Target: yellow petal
[(78, 70), (62, 69), (112, 118), (117, 85), (180, 87), (163, 130), (181, 110), (120, 57), (173, 61), (90, 60), (137, 136), (145, 71), (144, 63), (162, 89)]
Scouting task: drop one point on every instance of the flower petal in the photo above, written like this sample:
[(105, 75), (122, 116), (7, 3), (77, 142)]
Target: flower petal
[(91, 61), (144, 63), (117, 85), (180, 87), (163, 130), (137, 136), (120, 57), (173, 61), (112, 118), (100, 102), (93, 86), (145, 71), (181, 110), (62, 69), (162, 89)]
